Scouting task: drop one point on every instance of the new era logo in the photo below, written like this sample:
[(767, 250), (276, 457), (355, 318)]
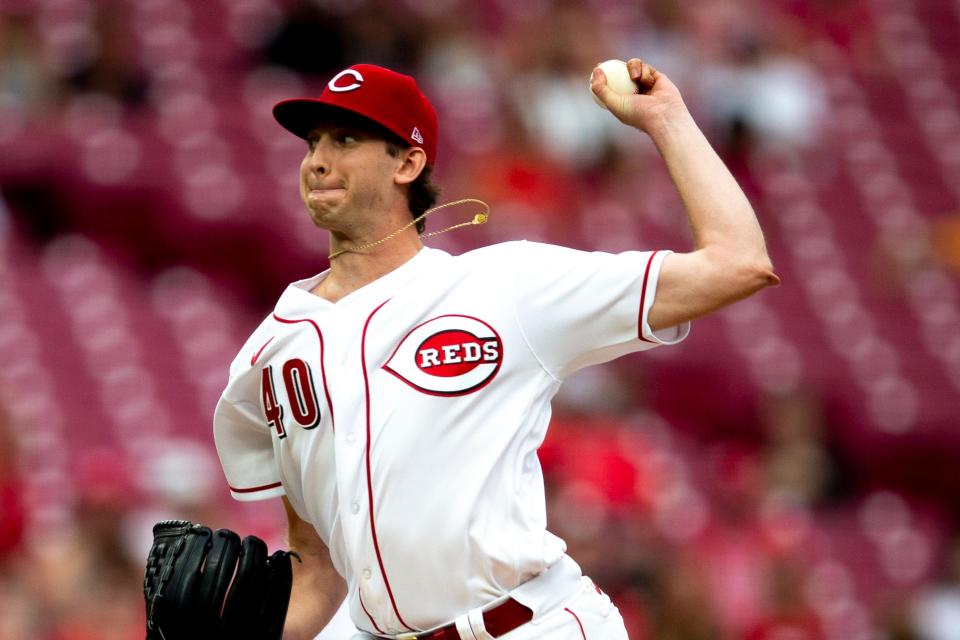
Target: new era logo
[(416, 135)]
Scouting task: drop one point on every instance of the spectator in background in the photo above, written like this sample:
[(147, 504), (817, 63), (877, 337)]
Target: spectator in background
[(24, 81), (549, 88), (12, 507), (665, 39), (798, 465), (459, 68), (26, 87), (109, 69), (732, 551), (72, 582), (761, 98), (181, 479), (835, 27), (787, 613), (19, 610), (946, 242), (684, 610), (87, 582), (19, 613)]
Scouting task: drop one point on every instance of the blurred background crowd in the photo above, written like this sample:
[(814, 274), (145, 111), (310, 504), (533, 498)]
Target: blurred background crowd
[(787, 473)]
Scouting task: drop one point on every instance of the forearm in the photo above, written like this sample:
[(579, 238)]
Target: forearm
[(316, 596), (318, 589), (720, 215)]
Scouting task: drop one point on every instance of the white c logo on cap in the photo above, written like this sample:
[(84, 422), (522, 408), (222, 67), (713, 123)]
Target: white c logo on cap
[(357, 81)]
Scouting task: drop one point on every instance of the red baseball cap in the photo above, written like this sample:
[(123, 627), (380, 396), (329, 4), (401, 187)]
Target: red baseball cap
[(392, 100)]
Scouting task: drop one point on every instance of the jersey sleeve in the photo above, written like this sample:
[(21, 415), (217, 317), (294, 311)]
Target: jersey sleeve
[(243, 440), (579, 308)]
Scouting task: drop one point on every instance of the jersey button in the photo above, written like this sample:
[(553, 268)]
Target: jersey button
[(351, 438), (355, 507), (367, 574)]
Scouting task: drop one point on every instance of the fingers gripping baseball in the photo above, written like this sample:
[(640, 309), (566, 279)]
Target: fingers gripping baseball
[(657, 96)]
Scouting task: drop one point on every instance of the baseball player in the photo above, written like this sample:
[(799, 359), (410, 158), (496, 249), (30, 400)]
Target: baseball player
[(396, 401)]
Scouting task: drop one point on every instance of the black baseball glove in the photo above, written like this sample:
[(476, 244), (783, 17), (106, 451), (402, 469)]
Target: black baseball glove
[(203, 584)]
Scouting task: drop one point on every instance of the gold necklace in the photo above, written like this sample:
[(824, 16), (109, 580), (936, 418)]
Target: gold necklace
[(479, 218)]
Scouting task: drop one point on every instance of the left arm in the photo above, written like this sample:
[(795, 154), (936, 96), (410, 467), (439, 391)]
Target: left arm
[(318, 589)]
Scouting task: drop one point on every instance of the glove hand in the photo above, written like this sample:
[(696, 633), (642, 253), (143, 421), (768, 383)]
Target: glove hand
[(209, 584)]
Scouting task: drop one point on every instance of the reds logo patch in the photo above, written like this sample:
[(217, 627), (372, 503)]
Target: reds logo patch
[(450, 355)]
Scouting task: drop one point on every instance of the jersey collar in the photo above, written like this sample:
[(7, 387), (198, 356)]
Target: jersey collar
[(297, 299)]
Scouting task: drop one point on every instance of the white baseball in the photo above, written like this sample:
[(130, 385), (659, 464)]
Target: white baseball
[(618, 79)]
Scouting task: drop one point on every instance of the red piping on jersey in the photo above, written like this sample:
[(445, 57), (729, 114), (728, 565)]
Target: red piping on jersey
[(580, 624), (262, 487), (373, 527), (323, 369), (643, 297), (364, 607)]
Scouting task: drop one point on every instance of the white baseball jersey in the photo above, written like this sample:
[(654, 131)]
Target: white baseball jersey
[(403, 421)]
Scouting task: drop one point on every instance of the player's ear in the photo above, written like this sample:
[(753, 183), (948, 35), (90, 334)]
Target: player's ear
[(412, 162)]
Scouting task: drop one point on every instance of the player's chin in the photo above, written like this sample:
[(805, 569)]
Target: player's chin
[(321, 206), (320, 217)]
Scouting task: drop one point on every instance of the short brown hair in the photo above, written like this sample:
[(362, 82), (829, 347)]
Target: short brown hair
[(423, 192)]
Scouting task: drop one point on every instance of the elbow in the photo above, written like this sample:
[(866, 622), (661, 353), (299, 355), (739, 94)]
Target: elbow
[(745, 275), (766, 273), (746, 271), (758, 274)]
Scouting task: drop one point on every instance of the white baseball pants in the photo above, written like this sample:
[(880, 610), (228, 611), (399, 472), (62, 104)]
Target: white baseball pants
[(589, 615), (586, 615)]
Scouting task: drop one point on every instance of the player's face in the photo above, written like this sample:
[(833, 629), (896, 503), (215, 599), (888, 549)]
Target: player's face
[(346, 177)]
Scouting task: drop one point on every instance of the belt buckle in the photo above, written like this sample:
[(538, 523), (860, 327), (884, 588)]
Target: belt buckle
[(406, 636)]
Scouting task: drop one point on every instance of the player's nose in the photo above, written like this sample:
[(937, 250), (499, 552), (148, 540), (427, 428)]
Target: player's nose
[(318, 160)]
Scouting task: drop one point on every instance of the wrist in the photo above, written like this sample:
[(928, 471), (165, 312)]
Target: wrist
[(670, 125)]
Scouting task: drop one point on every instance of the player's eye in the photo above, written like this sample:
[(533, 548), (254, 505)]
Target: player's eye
[(311, 143), (346, 138)]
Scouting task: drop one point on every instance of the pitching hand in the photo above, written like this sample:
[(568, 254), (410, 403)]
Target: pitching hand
[(657, 103)]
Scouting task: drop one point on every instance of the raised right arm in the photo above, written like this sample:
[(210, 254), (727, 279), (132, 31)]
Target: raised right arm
[(729, 261)]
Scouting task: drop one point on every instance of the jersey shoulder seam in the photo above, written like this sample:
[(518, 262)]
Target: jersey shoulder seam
[(519, 321)]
